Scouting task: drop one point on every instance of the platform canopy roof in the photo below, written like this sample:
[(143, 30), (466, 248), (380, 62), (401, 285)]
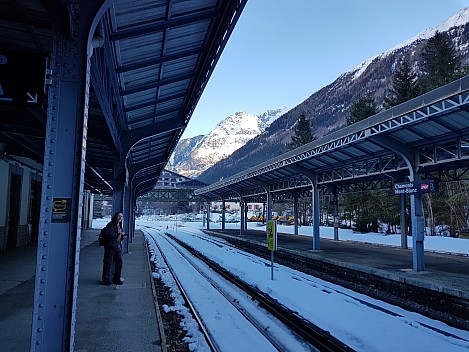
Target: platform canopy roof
[(146, 79), (429, 134)]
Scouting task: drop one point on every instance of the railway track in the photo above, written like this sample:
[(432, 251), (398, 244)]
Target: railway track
[(435, 305), (186, 298), (311, 334)]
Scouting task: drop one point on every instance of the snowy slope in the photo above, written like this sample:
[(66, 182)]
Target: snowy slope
[(459, 19), (194, 155)]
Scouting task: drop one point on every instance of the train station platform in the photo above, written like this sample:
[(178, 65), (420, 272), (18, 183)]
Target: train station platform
[(124, 318), (108, 318), (445, 273)]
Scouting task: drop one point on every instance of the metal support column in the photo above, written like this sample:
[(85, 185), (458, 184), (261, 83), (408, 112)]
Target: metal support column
[(223, 215), (295, 212), (241, 217), (264, 206), (208, 215), (118, 189), (315, 202), (91, 211), (203, 214), (403, 221), (133, 209), (268, 203), (418, 230), (126, 221), (335, 214), (246, 216), (412, 159), (315, 213), (57, 266)]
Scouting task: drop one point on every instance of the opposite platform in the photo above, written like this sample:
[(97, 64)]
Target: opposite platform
[(444, 273)]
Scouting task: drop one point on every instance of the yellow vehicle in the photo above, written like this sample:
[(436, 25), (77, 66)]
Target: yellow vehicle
[(257, 217), (286, 220)]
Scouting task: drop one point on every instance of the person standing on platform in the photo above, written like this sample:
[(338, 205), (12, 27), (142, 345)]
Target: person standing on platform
[(113, 250)]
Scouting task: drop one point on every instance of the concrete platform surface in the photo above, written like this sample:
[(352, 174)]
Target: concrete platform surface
[(109, 318)]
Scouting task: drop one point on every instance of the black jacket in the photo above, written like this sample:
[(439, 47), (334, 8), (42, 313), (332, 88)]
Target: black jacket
[(112, 233)]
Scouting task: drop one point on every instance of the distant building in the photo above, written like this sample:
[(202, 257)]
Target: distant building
[(234, 206), (169, 179)]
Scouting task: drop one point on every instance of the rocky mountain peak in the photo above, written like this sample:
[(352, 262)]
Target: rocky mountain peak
[(192, 156)]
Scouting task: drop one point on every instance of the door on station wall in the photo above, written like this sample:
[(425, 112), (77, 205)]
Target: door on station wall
[(35, 209), (14, 210)]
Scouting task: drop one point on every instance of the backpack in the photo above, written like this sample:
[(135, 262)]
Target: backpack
[(102, 237)]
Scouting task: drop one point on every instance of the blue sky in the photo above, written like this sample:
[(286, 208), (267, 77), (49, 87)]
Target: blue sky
[(282, 51)]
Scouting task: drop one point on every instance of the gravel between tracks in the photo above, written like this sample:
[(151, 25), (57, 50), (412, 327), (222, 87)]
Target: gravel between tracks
[(172, 321), (438, 307)]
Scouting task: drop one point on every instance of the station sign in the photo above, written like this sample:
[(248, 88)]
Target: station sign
[(424, 186), (22, 78), (272, 243), (62, 210), (272, 235)]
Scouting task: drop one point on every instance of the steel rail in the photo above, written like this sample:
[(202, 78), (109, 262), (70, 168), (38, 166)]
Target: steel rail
[(184, 295), (262, 329), (311, 333)]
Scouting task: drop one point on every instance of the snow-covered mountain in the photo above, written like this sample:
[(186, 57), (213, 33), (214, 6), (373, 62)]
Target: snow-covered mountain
[(192, 156), (328, 107), (461, 18)]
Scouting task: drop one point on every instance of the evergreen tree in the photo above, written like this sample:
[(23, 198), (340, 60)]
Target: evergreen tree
[(359, 204), (364, 106), (441, 65), (404, 85), (302, 134)]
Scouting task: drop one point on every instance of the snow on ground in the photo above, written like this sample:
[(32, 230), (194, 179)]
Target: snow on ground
[(431, 243), (363, 323), (228, 327)]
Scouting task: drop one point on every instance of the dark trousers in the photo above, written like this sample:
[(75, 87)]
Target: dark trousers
[(112, 256)]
